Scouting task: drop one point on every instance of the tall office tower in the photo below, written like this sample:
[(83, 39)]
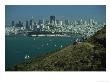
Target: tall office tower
[(31, 23), (81, 22), (58, 22), (52, 20), (91, 22), (30, 26), (66, 22), (27, 25), (35, 26), (19, 24), (40, 22), (75, 23), (12, 24), (85, 23), (61, 23), (96, 23)]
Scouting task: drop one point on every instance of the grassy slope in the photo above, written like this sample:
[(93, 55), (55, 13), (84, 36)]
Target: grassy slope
[(86, 56)]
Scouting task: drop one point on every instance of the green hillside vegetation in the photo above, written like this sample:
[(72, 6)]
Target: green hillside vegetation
[(89, 55)]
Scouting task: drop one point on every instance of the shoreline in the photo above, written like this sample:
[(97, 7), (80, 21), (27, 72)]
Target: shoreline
[(48, 36), (89, 55)]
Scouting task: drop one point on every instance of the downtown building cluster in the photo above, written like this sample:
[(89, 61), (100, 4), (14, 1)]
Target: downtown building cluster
[(53, 25)]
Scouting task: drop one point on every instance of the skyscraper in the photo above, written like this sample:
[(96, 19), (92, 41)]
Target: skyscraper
[(81, 22), (27, 25), (19, 24), (66, 22), (12, 23), (91, 22), (40, 22), (30, 25), (52, 20)]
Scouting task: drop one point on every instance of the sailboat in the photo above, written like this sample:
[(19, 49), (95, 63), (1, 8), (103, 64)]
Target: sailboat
[(27, 56)]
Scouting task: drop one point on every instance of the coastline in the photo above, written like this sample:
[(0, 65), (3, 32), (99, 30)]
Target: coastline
[(89, 55)]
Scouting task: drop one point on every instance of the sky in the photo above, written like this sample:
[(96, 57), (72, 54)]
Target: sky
[(71, 12)]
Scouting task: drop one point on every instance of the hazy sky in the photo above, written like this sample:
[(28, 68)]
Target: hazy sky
[(72, 12)]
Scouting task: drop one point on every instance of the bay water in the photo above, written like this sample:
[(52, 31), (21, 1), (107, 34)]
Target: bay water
[(17, 47)]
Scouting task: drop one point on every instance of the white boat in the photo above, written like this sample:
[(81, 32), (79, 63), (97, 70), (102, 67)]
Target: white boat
[(61, 46), (27, 56), (47, 44), (55, 45), (33, 35)]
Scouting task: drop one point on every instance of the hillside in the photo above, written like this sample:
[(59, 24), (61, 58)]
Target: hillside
[(84, 56)]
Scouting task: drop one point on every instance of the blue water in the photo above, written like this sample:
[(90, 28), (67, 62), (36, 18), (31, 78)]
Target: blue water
[(17, 47)]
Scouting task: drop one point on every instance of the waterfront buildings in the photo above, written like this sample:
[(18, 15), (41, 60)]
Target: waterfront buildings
[(53, 25)]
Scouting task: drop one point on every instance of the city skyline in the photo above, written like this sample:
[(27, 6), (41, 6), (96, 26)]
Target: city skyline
[(51, 26), (71, 12)]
